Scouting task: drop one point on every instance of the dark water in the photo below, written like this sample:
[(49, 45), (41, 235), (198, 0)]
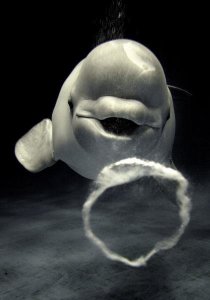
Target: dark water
[(45, 255)]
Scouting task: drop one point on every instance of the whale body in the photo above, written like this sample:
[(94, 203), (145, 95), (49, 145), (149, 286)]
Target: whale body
[(115, 104)]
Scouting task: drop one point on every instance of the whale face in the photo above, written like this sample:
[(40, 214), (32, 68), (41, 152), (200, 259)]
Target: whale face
[(115, 104)]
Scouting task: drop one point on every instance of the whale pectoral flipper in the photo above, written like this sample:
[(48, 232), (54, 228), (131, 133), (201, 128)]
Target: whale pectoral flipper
[(34, 150)]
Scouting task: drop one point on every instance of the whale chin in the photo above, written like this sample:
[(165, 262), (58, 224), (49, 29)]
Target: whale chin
[(119, 126)]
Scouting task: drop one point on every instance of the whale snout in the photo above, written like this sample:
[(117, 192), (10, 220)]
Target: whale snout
[(119, 115)]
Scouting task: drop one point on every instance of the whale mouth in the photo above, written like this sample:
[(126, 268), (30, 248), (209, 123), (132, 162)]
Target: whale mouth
[(119, 126)]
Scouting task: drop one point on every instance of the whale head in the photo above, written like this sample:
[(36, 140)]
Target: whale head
[(115, 104)]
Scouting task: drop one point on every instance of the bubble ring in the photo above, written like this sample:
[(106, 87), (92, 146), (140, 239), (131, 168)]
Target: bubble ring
[(135, 169)]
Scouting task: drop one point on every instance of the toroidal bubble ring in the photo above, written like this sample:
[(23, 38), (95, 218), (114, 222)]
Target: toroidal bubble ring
[(134, 169)]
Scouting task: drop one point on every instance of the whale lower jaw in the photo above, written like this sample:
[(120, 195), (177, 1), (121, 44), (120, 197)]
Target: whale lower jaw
[(119, 126)]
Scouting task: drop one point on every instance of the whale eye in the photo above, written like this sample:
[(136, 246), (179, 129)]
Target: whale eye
[(71, 105), (168, 116)]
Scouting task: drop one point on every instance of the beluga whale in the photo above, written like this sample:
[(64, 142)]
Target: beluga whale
[(115, 104)]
